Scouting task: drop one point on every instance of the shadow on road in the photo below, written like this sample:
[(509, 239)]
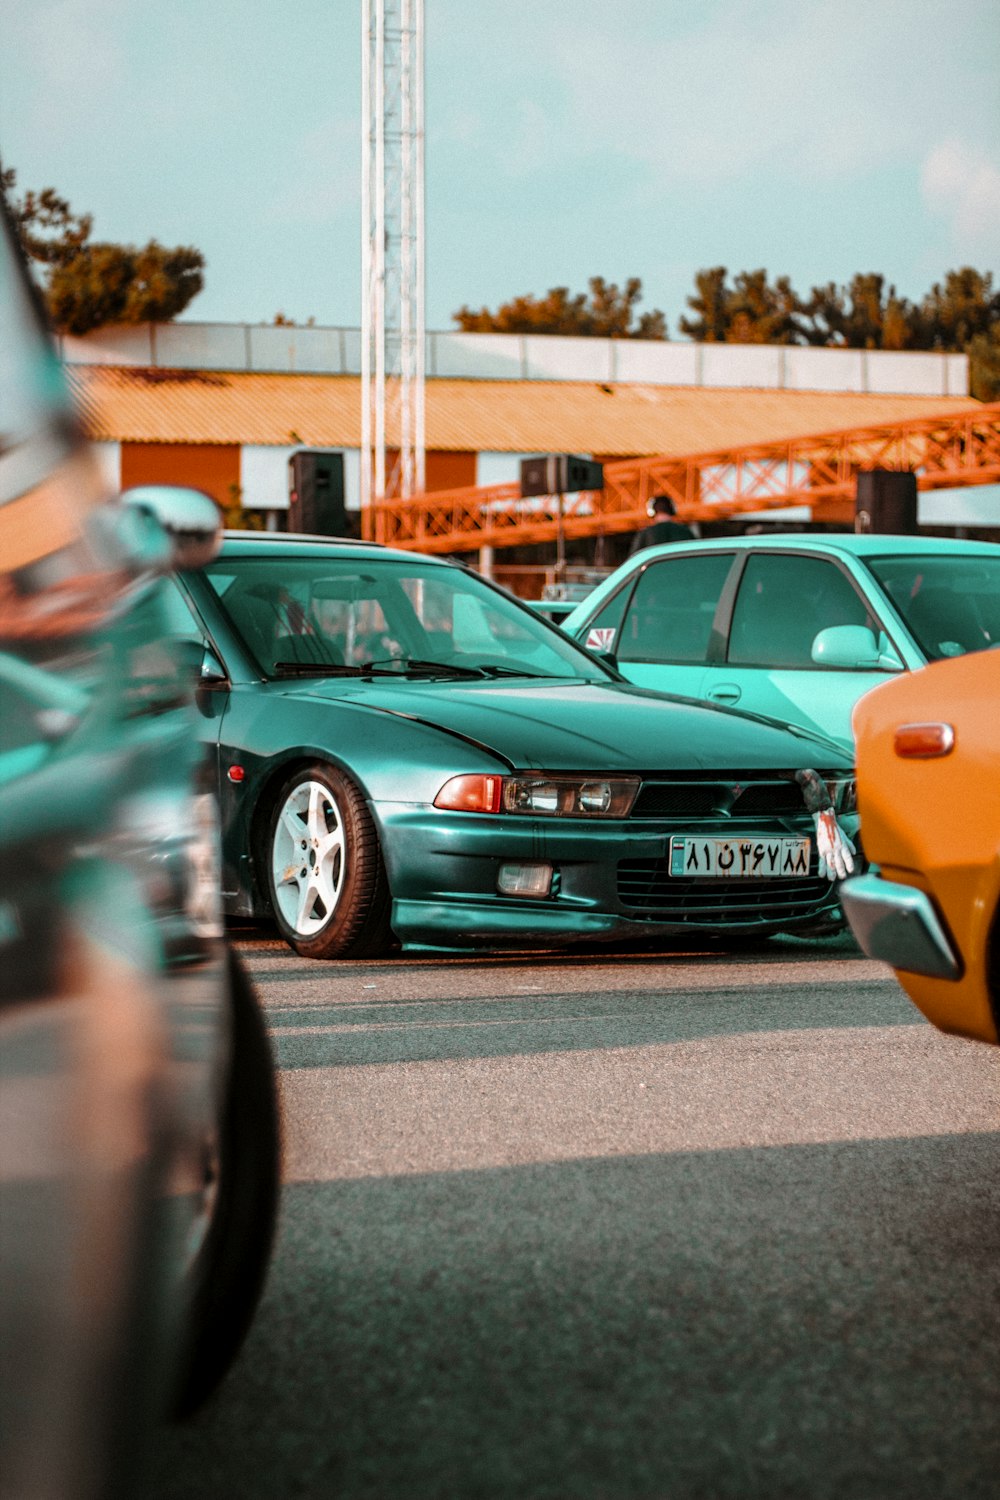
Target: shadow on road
[(664, 1327)]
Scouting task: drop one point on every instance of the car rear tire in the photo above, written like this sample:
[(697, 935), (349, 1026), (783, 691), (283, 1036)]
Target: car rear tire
[(228, 1274), (326, 877)]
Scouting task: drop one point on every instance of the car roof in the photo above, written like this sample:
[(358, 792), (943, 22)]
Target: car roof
[(864, 544), (301, 544)]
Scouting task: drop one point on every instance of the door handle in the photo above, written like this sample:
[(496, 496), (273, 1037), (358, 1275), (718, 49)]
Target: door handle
[(726, 692)]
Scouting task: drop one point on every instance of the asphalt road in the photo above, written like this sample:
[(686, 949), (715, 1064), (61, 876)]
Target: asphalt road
[(691, 1226)]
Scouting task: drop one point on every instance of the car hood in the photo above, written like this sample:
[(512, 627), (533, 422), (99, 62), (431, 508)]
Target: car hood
[(558, 726)]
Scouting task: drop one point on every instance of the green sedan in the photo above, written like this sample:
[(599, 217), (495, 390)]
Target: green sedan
[(407, 755)]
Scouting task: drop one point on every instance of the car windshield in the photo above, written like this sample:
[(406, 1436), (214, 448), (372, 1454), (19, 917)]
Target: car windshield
[(951, 604), (386, 616)]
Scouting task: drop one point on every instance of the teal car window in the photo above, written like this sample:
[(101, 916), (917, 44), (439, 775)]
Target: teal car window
[(343, 612), (602, 631), (179, 622), (784, 601), (672, 610), (950, 604)]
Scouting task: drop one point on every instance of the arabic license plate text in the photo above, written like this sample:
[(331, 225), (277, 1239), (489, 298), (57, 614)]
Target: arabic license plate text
[(742, 859)]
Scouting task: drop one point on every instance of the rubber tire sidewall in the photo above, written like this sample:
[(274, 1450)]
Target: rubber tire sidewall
[(228, 1276)]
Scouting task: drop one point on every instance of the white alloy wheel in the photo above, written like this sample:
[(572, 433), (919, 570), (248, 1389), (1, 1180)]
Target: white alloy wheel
[(308, 857), (320, 854)]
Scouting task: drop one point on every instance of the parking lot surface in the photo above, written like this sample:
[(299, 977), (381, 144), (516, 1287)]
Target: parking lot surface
[(694, 1223)]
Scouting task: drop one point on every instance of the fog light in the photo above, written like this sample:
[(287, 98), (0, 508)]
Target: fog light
[(524, 880)]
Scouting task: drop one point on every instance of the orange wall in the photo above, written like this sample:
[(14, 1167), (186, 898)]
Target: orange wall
[(213, 467), (449, 470)]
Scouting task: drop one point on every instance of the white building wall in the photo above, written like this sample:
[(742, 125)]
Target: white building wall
[(509, 356), (264, 476), (109, 461), (972, 505), (499, 468)]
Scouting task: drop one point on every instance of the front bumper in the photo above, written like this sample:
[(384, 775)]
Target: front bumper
[(610, 883), (900, 925)]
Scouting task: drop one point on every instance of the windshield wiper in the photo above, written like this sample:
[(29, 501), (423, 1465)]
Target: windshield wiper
[(406, 666), (399, 666), (495, 671), (389, 666), (328, 669)]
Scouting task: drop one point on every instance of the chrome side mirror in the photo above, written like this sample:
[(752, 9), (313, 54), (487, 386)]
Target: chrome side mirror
[(191, 520)]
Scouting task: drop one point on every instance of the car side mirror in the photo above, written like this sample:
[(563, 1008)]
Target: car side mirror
[(191, 520), (211, 672), (852, 647)]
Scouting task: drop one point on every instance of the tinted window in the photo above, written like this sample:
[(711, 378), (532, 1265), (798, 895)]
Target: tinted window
[(951, 604), (783, 603), (342, 612), (602, 632), (672, 610)]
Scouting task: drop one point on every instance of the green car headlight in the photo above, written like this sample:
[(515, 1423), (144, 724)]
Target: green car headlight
[(541, 796)]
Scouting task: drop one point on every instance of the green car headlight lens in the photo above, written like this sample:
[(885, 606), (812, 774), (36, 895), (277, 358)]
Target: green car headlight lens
[(541, 796)]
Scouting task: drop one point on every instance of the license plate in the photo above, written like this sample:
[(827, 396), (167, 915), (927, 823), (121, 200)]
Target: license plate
[(740, 859)]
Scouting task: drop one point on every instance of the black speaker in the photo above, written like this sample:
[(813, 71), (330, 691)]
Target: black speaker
[(886, 501), (560, 474), (316, 493)]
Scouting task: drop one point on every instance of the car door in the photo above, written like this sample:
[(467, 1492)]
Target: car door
[(783, 600), (660, 630)]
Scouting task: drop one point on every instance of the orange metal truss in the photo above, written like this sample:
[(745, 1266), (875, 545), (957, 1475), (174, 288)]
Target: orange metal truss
[(819, 470)]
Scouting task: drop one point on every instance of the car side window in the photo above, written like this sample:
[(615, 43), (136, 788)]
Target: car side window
[(671, 612), (602, 632), (179, 622), (784, 601)]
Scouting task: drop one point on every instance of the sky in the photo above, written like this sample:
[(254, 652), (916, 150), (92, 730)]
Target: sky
[(565, 139)]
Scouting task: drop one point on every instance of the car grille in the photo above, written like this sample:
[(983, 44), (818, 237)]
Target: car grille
[(651, 893), (739, 796)]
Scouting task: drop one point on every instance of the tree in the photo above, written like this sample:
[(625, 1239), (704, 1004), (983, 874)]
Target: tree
[(963, 308), (863, 315), (607, 314), (751, 311), (87, 285), (962, 313), (710, 303)]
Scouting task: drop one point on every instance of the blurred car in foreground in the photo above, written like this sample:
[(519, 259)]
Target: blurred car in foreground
[(138, 1128), (409, 754), (929, 793), (795, 626)]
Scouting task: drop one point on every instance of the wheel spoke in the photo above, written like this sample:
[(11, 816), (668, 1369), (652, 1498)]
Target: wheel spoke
[(291, 820), (324, 887), (330, 845), (307, 900), (316, 825)]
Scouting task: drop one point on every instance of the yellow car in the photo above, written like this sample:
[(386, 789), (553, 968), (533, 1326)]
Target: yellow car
[(929, 798)]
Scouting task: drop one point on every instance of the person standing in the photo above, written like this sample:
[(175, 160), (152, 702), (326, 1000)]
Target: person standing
[(663, 527)]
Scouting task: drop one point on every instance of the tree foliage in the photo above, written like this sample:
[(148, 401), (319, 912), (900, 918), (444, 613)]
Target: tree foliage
[(86, 285), (960, 314), (607, 313)]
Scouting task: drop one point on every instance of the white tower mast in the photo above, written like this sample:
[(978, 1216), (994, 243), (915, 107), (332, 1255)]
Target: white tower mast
[(392, 252)]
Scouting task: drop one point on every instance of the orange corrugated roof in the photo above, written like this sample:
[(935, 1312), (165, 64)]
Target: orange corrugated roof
[(141, 405)]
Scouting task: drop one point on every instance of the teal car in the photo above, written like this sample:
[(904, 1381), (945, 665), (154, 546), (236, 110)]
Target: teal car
[(795, 626), (408, 755), (139, 1150)]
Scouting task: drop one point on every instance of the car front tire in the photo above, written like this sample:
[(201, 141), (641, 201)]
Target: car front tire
[(326, 877)]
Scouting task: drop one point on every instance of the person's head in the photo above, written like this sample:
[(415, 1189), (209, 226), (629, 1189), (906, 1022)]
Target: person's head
[(659, 507)]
